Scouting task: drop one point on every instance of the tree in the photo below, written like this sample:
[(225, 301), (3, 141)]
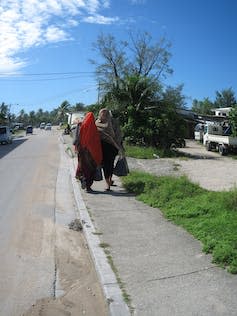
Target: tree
[(139, 58), (62, 110), (40, 116), (4, 113), (130, 102), (113, 67), (202, 107), (175, 96), (21, 116), (225, 98), (233, 120), (78, 107), (129, 77), (32, 118)]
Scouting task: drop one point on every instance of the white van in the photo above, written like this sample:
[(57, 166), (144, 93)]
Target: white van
[(5, 135)]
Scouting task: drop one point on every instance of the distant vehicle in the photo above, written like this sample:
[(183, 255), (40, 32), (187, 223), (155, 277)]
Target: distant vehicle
[(48, 127), (5, 135), (42, 125), (29, 129), (218, 137)]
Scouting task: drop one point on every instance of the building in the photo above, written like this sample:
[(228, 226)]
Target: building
[(223, 112), (73, 117)]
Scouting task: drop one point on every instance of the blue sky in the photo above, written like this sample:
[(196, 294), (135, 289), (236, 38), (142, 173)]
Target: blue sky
[(45, 46)]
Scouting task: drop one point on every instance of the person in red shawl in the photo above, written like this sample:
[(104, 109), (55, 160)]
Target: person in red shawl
[(89, 151)]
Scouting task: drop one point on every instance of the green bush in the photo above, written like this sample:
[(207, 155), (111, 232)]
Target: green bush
[(142, 152)]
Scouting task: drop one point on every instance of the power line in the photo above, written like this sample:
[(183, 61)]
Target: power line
[(36, 76), (40, 79), (45, 73)]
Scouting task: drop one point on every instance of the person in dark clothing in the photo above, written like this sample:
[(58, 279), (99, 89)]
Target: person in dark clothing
[(110, 146)]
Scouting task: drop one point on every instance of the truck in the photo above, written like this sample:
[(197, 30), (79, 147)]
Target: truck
[(217, 136), (198, 132)]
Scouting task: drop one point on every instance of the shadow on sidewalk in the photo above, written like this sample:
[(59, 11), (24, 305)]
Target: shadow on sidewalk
[(113, 193)]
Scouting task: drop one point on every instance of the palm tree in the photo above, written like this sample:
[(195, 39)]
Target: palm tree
[(63, 110), (3, 113)]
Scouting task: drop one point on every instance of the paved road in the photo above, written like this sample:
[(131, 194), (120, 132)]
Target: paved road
[(44, 264), (28, 171)]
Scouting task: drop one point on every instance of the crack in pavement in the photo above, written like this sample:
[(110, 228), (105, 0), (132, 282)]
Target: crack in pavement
[(181, 274)]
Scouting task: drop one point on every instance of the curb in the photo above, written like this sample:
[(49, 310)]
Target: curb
[(107, 278)]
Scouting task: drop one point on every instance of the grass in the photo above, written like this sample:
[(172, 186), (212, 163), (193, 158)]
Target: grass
[(121, 284), (148, 152), (104, 245), (210, 217)]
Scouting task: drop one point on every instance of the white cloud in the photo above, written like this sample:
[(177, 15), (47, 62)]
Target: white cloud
[(10, 65), (100, 19), (28, 23), (54, 34)]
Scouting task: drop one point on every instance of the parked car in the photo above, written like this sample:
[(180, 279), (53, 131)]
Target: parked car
[(42, 125), (5, 135), (48, 127), (29, 129)]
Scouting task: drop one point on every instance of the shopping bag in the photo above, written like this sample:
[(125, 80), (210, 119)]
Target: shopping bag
[(98, 174), (121, 167)]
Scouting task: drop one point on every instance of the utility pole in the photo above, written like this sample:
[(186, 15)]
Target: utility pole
[(98, 98)]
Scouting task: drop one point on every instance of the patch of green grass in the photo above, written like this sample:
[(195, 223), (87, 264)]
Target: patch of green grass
[(149, 152), (104, 245), (209, 216), (121, 284), (233, 155)]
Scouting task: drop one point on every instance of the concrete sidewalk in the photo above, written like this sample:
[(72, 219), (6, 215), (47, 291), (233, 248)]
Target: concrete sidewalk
[(162, 267)]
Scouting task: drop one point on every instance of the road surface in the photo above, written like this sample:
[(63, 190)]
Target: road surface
[(45, 266)]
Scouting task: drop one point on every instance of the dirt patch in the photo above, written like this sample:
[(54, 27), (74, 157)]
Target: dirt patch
[(78, 289), (210, 170)]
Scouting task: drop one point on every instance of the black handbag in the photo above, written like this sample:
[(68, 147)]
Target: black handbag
[(121, 168), (98, 174)]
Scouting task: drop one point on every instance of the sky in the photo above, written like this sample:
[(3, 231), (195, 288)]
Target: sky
[(46, 45)]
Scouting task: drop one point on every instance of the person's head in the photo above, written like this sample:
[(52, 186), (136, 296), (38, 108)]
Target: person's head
[(104, 115)]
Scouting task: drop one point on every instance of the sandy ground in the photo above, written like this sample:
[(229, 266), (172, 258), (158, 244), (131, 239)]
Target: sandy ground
[(81, 293), (210, 170)]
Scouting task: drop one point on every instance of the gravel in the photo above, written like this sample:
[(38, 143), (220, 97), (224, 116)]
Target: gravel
[(208, 169)]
